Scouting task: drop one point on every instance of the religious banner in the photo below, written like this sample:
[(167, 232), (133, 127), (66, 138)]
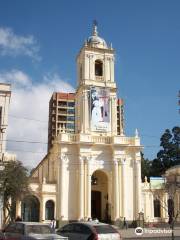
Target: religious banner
[(100, 109)]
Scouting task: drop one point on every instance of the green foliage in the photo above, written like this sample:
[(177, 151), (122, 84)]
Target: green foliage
[(145, 167), (169, 155), (14, 184)]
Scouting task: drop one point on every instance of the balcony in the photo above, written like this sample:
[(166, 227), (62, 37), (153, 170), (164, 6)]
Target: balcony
[(87, 138), (99, 78)]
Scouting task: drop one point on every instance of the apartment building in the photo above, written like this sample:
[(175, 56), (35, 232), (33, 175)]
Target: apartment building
[(120, 116), (61, 115)]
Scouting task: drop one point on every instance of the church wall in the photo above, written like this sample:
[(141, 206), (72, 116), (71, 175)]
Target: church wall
[(70, 182)]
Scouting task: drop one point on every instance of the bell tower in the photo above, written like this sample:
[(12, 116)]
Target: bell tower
[(96, 91)]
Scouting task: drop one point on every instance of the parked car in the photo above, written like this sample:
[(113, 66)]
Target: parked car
[(30, 231), (91, 230)]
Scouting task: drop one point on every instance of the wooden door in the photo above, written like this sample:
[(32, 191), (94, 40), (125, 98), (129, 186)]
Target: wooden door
[(96, 205)]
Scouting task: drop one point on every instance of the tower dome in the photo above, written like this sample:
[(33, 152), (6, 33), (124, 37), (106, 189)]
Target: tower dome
[(95, 40)]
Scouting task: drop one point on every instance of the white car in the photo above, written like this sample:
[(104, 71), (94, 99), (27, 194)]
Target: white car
[(30, 231), (91, 230)]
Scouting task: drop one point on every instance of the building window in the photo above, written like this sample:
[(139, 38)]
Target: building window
[(98, 68), (157, 208), (70, 125), (62, 103), (70, 118), (49, 214), (71, 104), (62, 118), (81, 71), (70, 111)]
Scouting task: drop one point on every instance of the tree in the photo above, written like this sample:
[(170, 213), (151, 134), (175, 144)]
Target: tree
[(172, 189), (169, 155), (14, 184), (145, 167)]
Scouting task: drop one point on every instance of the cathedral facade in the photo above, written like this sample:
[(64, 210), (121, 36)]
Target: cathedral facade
[(94, 172)]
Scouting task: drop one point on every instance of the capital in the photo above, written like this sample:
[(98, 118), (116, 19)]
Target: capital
[(82, 158), (88, 159), (115, 161), (64, 158), (137, 161), (122, 161)]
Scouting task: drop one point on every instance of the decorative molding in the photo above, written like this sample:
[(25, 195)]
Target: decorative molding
[(89, 55), (137, 161), (64, 159), (122, 161)]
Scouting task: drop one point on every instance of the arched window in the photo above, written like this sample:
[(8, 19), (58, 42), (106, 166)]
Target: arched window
[(49, 208), (98, 68), (30, 209), (170, 207), (157, 208)]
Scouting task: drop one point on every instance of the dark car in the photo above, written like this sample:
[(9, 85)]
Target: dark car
[(89, 231), (29, 231)]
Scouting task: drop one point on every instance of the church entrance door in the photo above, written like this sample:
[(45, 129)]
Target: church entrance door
[(96, 205), (99, 196)]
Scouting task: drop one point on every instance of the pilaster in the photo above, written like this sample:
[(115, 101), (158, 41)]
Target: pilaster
[(81, 187), (63, 188), (116, 190), (138, 185), (88, 188), (124, 187)]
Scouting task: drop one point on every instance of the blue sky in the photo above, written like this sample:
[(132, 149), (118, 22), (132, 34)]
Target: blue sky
[(145, 35)]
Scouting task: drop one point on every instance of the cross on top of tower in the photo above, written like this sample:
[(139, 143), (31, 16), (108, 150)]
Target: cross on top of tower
[(95, 32)]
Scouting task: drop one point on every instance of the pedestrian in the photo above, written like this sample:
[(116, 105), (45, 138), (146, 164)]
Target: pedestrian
[(125, 223), (170, 219), (53, 224)]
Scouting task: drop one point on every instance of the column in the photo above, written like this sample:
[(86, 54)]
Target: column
[(123, 180), (88, 183), (166, 204), (81, 188), (120, 190), (152, 206), (62, 185), (116, 191), (18, 208), (42, 209), (163, 206), (138, 186)]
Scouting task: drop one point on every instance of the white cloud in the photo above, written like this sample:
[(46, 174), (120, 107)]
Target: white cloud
[(30, 100), (14, 45)]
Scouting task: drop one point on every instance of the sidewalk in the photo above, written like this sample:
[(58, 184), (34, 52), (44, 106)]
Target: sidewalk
[(130, 234)]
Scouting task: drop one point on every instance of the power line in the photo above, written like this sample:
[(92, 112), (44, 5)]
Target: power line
[(37, 120), (30, 119), (150, 136), (39, 142), (44, 152), (23, 141)]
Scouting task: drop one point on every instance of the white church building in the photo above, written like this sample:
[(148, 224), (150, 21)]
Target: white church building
[(94, 172)]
